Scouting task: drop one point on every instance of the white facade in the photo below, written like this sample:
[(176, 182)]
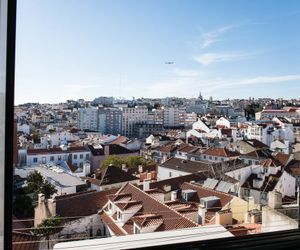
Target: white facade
[(77, 158), (167, 173), (223, 122), (200, 125), (57, 139), (131, 116), (88, 118), (174, 116)]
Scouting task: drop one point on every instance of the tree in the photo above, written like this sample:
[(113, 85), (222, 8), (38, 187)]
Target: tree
[(34, 181), (114, 160), (130, 161), (36, 184), (48, 227), (48, 189), (134, 161), (251, 109), (22, 206)]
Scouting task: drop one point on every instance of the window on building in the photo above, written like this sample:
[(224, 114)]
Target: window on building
[(75, 156), (170, 174), (35, 159), (52, 158), (81, 156)]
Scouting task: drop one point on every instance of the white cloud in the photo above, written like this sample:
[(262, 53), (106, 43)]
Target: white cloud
[(209, 58), (265, 79), (213, 36), (190, 86)]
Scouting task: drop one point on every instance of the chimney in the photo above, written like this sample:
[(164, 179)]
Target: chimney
[(174, 195), (140, 168), (106, 149), (201, 214), (224, 218), (146, 184), (86, 168), (52, 206), (275, 199), (124, 167), (251, 203), (41, 198)]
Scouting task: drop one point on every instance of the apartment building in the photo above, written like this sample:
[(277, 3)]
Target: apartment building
[(132, 116), (174, 117), (104, 120), (88, 119)]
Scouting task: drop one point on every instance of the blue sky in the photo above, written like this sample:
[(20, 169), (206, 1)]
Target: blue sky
[(74, 49)]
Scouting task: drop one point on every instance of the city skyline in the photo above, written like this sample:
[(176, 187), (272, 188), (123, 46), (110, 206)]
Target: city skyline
[(100, 48)]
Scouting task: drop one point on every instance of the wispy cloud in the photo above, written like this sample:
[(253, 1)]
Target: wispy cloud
[(265, 80), (177, 86), (209, 58), (213, 36)]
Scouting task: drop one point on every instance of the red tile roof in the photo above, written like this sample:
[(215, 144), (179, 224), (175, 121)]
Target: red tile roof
[(223, 152), (110, 223), (24, 241), (147, 220), (84, 203), (171, 219)]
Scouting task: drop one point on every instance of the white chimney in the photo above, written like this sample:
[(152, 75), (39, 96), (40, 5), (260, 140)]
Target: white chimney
[(275, 199), (86, 168), (146, 184), (41, 198), (174, 195), (140, 168), (124, 167), (201, 214)]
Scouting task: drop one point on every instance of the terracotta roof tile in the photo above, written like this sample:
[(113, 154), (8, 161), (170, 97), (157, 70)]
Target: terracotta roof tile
[(84, 204), (110, 223), (24, 241), (223, 152)]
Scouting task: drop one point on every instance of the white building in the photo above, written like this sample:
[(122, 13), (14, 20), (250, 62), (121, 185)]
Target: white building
[(131, 116), (74, 155), (174, 117), (58, 138), (223, 122), (88, 118), (64, 182)]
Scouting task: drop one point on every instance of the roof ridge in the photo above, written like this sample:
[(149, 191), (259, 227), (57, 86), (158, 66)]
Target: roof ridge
[(163, 204)]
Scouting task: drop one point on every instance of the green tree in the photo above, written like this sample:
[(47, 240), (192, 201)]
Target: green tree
[(130, 161), (49, 227), (251, 109), (36, 137), (114, 160), (22, 206), (134, 161), (36, 184), (34, 181), (47, 189)]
